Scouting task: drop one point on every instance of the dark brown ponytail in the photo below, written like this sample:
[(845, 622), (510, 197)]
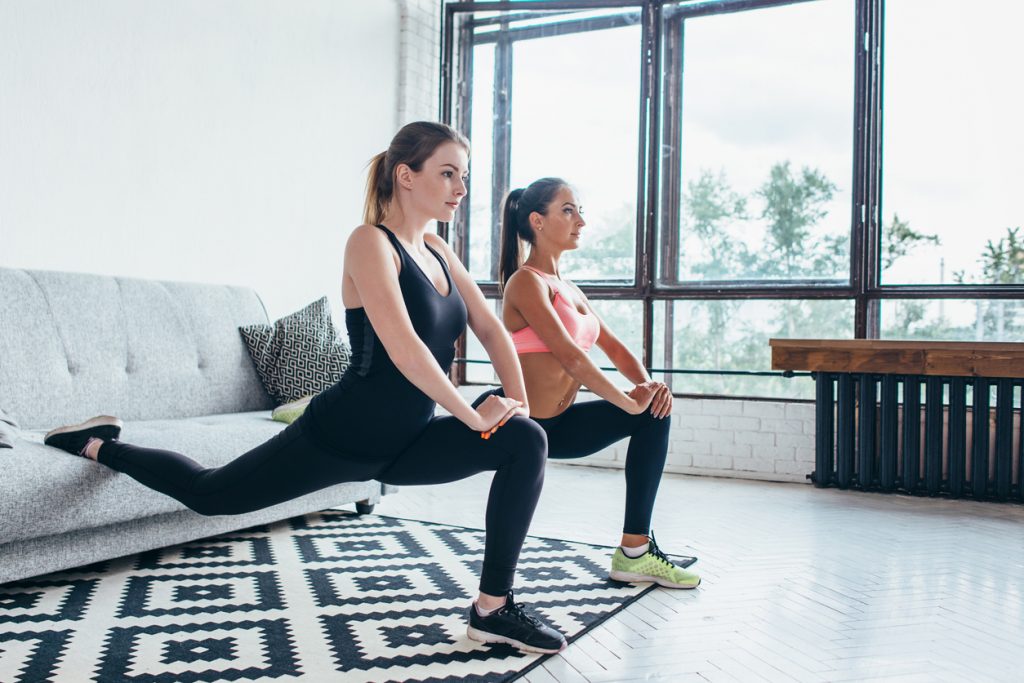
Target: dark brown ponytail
[(515, 222), (412, 145)]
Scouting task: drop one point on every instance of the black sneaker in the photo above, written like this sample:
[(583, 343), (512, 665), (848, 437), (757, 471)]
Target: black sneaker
[(513, 626), (73, 438)]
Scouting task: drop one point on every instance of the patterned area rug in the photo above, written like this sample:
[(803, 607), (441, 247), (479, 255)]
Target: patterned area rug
[(329, 596)]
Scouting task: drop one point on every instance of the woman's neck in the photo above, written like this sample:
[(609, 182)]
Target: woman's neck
[(544, 262), (408, 227)]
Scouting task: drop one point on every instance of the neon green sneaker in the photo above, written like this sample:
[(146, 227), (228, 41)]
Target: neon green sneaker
[(290, 412), (652, 566)]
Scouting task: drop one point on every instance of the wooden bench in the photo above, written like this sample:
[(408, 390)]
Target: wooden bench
[(869, 437)]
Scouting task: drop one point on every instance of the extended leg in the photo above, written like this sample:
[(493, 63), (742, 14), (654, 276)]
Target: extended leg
[(285, 467)]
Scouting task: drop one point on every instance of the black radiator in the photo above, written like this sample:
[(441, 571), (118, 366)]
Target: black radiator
[(943, 436)]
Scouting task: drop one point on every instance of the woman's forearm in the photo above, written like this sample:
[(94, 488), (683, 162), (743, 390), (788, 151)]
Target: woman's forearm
[(419, 366), (630, 367)]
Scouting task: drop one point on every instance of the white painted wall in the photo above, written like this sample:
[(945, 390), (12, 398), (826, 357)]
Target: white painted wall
[(193, 140)]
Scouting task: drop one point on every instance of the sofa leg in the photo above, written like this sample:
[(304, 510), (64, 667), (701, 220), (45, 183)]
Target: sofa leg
[(364, 507)]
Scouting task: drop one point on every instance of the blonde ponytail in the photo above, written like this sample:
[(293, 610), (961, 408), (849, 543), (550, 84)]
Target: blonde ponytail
[(378, 190)]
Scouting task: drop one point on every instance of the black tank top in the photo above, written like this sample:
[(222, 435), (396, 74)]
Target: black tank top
[(373, 411)]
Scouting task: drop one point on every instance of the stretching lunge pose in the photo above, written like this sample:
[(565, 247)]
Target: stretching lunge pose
[(553, 327), (407, 300)]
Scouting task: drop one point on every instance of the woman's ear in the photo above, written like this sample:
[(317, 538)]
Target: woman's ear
[(403, 176), (536, 221)]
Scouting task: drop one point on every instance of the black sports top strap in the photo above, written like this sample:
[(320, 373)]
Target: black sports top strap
[(391, 236), (402, 253)]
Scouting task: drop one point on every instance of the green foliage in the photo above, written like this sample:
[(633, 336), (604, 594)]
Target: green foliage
[(909, 318), (792, 206), (711, 206), (1003, 261), (711, 202), (899, 239)]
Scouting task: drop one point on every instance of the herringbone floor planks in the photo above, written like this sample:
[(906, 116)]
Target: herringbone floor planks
[(799, 584)]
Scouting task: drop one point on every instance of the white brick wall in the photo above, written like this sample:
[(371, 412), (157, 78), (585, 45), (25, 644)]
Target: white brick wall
[(766, 440), (419, 59)]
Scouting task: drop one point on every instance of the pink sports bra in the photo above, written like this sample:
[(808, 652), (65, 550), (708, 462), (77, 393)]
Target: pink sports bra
[(582, 327)]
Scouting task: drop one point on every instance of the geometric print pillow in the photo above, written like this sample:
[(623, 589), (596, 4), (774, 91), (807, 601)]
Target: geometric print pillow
[(299, 355)]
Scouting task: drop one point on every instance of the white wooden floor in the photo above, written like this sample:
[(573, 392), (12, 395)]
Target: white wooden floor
[(799, 584)]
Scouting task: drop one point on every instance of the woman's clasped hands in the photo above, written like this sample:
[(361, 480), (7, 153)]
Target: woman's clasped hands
[(654, 395), (495, 411)]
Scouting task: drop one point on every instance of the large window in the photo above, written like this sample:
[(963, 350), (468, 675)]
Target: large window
[(555, 94), (755, 168), (759, 114)]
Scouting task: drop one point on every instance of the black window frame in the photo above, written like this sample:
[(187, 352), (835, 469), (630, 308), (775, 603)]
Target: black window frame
[(657, 203)]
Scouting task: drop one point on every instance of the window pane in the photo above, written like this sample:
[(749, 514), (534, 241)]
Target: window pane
[(734, 334), (953, 319), (571, 110), (482, 373), (481, 264), (765, 143), (575, 102), (567, 92), (953, 144)]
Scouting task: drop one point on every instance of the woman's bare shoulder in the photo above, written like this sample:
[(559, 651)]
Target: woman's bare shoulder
[(365, 237), (524, 283)]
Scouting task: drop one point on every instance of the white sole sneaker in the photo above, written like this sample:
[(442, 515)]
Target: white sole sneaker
[(98, 421), (627, 577), (484, 637)]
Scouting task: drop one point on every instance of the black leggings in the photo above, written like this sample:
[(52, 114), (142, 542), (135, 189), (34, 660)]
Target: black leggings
[(291, 464), (585, 428)]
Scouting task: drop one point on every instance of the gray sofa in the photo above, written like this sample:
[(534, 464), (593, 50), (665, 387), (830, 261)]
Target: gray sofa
[(164, 356)]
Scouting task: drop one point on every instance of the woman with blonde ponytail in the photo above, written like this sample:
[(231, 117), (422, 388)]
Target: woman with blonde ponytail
[(407, 300), (553, 326)]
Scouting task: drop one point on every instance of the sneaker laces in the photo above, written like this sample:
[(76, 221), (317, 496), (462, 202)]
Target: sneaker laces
[(653, 549), (518, 611)]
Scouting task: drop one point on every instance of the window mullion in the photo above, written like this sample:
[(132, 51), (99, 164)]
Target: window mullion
[(502, 142)]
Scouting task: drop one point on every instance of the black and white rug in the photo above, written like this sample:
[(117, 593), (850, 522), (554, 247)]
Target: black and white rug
[(329, 596)]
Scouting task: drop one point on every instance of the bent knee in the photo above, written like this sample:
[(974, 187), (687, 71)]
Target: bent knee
[(648, 418), (523, 435)]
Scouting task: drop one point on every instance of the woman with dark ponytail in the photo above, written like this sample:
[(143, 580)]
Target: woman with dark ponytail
[(407, 300), (553, 326)]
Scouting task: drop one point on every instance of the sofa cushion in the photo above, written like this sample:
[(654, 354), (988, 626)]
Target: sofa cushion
[(46, 491), (299, 355)]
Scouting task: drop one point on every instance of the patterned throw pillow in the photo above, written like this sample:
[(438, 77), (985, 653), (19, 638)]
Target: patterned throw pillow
[(299, 355)]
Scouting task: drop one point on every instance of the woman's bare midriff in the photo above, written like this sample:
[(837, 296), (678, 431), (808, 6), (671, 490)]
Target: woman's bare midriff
[(549, 388)]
